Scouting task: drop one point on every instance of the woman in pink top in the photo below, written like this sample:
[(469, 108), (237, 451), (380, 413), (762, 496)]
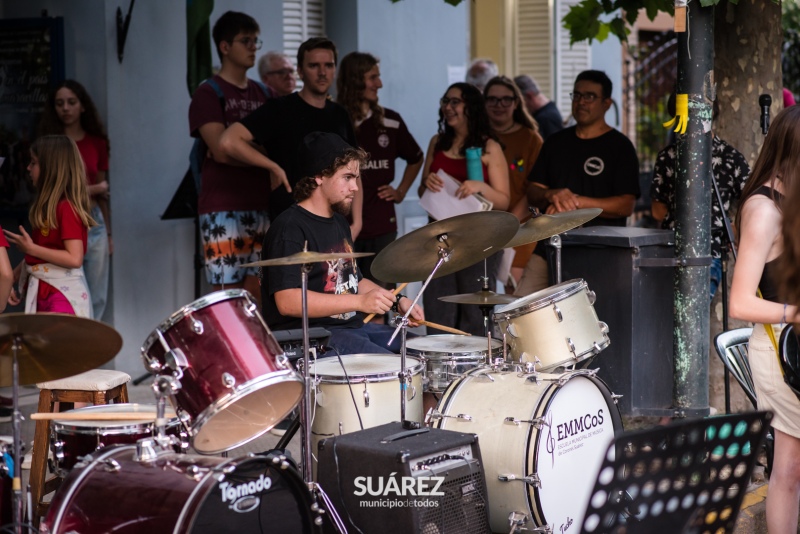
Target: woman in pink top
[(463, 123)]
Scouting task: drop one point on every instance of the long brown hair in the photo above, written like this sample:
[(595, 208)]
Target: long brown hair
[(61, 175), (350, 86), (521, 115), (50, 124), (779, 158), (789, 138), (478, 128)]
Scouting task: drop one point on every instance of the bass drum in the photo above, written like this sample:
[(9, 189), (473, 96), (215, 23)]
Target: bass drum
[(543, 439), (172, 493)]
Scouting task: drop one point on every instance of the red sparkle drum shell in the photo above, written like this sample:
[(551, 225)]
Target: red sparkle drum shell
[(115, 492), (72, 439), (236, 383)]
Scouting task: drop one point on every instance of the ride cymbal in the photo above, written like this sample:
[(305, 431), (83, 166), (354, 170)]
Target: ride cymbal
[(306, 257), (469, 239), (53, 346), (546, 226)]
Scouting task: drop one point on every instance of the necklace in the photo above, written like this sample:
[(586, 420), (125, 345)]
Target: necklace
[(507, 129)]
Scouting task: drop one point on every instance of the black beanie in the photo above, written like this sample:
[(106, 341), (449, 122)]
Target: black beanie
[(318, 151)]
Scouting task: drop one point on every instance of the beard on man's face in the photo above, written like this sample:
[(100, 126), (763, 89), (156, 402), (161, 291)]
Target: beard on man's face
[(343, 207)]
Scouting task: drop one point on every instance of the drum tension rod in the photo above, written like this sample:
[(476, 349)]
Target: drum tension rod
[(537, 423), (533, 479)]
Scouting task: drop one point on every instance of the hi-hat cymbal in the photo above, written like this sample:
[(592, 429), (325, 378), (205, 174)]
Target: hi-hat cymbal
[(470, 238), (54, 346), (545, 226), (484, 297), (307, 257)]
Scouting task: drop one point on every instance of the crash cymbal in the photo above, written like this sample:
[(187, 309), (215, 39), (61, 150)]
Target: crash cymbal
[(484, 297), (545, 226), (307, 257), (53, 346), (470, 238)]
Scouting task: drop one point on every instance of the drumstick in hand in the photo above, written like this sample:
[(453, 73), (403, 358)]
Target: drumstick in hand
[(402, 286)]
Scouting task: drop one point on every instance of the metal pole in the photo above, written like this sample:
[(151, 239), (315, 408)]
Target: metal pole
[(693, 215), (305, 411)]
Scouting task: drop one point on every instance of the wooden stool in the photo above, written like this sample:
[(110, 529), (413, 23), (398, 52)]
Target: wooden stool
[(100, 386)]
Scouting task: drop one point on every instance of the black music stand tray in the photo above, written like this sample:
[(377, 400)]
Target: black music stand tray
[(688, 477), (183, 205)]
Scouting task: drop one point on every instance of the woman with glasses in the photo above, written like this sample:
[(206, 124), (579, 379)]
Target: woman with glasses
[(463, 123), (519, 135)]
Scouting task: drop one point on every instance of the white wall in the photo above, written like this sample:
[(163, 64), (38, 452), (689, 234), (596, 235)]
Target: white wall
[(144, 102)]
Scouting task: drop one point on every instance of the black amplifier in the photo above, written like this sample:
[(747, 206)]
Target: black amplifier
[(388, 479), (291, 341)]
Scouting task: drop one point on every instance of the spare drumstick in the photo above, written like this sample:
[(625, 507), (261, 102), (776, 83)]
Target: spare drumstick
[(402, 286), (445, 328)]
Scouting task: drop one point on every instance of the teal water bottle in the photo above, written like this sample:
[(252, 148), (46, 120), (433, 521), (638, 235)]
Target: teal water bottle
[(474, 166)]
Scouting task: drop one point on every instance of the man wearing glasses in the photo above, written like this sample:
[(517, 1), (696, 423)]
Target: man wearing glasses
[(233, 199), (277, 73), (589, 165)]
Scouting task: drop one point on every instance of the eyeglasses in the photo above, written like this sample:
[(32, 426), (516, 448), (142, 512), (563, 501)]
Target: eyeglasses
[(505, 101), (250, 42), (281, 72), (450, 101), (587, 97)]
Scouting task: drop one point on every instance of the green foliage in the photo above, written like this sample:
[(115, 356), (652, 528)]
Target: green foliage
[(790, 58)]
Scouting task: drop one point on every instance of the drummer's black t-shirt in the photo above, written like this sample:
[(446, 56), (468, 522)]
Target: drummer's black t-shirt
[(286, 236)]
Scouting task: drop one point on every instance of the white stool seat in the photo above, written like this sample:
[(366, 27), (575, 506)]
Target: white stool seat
[(94, 380)]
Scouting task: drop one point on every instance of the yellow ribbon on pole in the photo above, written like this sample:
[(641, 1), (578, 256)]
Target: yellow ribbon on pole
[(681, 118)]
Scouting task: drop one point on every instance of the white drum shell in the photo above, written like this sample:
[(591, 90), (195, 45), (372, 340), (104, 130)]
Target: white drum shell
[(548, 324), (567, 474), (333, 412)]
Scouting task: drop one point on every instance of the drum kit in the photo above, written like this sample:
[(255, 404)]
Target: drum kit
[(543, 422)]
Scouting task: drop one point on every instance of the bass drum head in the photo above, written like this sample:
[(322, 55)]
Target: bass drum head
[(581, 421), (257, 496)]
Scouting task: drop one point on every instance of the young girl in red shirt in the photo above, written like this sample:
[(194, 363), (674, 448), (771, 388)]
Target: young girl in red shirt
[(51, 276)]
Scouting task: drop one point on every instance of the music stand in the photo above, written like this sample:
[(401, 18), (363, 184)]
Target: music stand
[(184, 206), (686, 477)]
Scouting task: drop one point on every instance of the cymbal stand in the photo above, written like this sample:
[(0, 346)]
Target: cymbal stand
[(555, 242), (17, 435), (487, 314), (164, 386), (305, 413), (402, 325)]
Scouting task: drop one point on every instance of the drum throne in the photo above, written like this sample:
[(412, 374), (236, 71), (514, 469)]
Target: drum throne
[(99, 386)]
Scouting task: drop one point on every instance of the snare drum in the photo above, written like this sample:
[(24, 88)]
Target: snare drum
[(235, 381), (113, 491), (554, 327), (543, 439), (375, 386), (449, 356), (72, 439)]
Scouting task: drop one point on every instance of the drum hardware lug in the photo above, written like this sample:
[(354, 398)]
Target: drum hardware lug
[(413, 393), (616, 398), (532, 480), (603, 327), (366, 396), (435, 415), (596, 348), (111, 465), (591, 296), (341, 428), (228, 380), (197, 325), (537, 423), (57, 447), (151, 364), (488, 376), (249, 309), (571, 347), (511, 330), (517, 519), (176, 360), (282, 361), (194, 472), (557, 311)]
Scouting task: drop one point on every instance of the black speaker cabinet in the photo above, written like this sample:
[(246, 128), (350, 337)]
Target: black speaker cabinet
[(388, 479)]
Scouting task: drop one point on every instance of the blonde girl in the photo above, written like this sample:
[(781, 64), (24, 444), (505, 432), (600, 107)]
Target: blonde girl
[(51, 276)]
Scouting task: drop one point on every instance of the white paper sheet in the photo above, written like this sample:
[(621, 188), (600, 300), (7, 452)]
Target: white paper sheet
[(444, 203)]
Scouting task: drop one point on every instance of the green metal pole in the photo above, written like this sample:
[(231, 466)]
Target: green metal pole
[(693, 215)]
